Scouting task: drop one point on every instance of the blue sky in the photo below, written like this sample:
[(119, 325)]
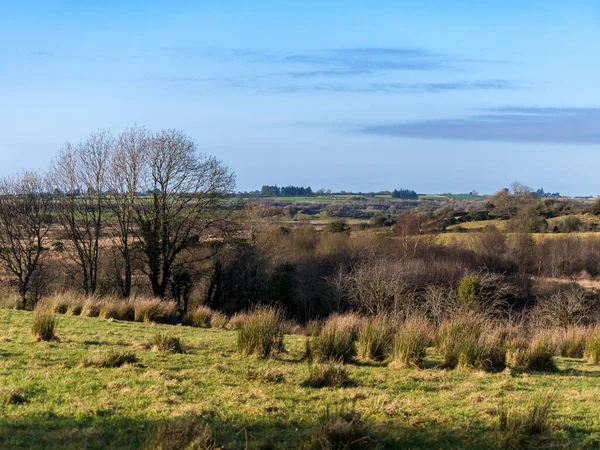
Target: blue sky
[(435, 96)]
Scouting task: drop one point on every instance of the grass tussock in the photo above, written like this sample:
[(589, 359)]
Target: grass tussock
[(471, 341), (266, 374), (44, 323), (91, 307), (187, 432), (332, 375), (533, 419), (219, 320), (592, 348), (154, 310), (109, 359), (9, 396), (261, 332), (200, 316), (10, 301), (536, 354), (341, 430), (375, 338), (163, 342), (336, 340), (571, 342), (117, 309), (411, 341)]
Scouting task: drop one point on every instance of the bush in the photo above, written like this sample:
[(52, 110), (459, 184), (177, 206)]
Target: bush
[(592, 349), (112, 358), (44, 324), (260, 332), (327, 375), (471, 341), (535, 354), (468, 289), (154, 310), (187, 432), (411, 341), (375, 338), (341, 430), (162, 342), (336, 339)]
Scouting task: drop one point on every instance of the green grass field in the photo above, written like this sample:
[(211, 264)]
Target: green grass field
[(48, 399)]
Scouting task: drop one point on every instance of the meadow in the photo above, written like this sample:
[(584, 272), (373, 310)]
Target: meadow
[(52, 397)]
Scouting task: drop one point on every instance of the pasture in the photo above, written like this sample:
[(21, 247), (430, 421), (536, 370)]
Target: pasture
[(50, 398)]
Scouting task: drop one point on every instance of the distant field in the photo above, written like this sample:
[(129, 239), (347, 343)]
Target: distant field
[(51, 401)]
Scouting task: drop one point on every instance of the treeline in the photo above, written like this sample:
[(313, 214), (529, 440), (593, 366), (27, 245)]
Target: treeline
[(87, 207), (288, 191), (405, 194)]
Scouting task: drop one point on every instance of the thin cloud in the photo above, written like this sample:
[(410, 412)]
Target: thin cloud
[(399, 87), (509, 124)]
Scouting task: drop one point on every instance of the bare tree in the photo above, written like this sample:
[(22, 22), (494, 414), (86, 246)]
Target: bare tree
[(187, 196), (25, 219), (79, 179), (411, 226), (127, 169)]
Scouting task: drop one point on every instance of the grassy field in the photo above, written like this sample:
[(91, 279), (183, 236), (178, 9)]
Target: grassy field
[(49, 399)]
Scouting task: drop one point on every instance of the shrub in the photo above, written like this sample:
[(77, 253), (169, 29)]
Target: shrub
[(336, 339), (375, 338), (111, 358), (260, 332), (411, 341), (592, 349), (535, 419), (327, 375), (535, 354), (154, 310), (468, 289), (339, 430), (187, 432), (162, 342), (471, 341), (570, 343), (44, 324)]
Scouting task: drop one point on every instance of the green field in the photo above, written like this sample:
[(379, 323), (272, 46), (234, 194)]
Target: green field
[(48, 399)]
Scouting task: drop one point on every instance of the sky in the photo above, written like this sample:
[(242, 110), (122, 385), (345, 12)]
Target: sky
[(435, 96)]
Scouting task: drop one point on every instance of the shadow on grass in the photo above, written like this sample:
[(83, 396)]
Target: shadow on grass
[(48, 431)]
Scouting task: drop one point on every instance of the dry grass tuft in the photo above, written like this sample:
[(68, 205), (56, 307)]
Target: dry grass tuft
[(187, 432), (163, 342), (44, 323), (112, 358), (328, 375), (260, 332), (336, 340), (411, 341)]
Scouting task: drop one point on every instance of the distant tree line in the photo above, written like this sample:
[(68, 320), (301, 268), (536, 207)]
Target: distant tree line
[(405, 194), (290, 191), (541, 193)]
